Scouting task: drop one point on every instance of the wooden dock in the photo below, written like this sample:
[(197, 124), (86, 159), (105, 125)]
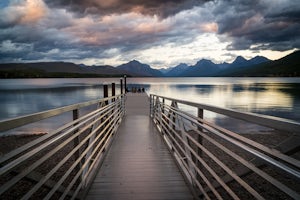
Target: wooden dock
[(142, 150), (138, 165)]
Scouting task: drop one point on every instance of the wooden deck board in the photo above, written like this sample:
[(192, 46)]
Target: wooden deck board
[(138, 164)]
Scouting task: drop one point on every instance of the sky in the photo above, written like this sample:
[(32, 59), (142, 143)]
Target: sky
[(161, 33)]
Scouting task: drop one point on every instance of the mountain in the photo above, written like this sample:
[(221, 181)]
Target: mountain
[(56, 69), (177, 70), (257, 66), (258, 60), (66, 69), (284, 67), (135, 68), (242, 62), (203, 67), (206, 67), (239, 62)]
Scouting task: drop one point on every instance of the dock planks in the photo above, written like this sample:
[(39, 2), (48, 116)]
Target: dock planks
[(138, 164)]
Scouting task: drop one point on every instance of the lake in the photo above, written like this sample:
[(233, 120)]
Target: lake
[(272, 96)]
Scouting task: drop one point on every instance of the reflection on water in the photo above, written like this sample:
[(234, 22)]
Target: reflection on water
[(24, 96), (273, 96), (276, 99), (263, 99)]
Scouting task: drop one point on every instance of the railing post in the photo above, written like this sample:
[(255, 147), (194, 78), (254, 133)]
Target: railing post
[(151, 106), (76, 140), (173, 105), (200, 114), (163, 107), (199, 138)]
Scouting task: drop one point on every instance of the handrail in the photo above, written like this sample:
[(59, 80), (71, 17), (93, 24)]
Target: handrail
[(216, 129), (265, 120), (8, 124), (212, 157), (64, 160)]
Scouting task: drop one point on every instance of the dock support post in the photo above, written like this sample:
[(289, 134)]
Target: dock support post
[(105, 93), (125, 84), (113, 90), (121, 85)]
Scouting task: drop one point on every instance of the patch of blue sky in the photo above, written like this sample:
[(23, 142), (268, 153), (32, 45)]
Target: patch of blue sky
[(4, 3)]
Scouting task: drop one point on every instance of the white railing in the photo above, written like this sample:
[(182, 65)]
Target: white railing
[(62, 163), (221, 164)]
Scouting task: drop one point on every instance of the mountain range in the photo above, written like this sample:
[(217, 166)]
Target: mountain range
[(206, 67), (257, 66)]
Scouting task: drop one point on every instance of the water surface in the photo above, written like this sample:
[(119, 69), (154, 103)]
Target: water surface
[(273, 96)]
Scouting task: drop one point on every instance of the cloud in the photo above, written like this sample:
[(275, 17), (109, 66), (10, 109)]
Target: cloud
[(155, 31), (25, 12), (106, 7), (210, 27), (264, 24)]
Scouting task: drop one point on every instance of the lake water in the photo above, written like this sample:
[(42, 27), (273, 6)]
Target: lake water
[(272, 96)]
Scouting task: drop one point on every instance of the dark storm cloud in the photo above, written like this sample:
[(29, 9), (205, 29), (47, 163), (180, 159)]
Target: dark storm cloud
[(59, 34), (162, 8), (259, 23), (230, 15), (96, 29)]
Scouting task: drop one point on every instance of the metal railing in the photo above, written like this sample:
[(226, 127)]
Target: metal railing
[(221, 164), (62, 163)]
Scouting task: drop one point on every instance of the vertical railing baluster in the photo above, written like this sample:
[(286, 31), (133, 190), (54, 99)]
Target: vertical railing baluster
[(120, 101), (200, 114), (151, 114), (115, 107), (163, 103), (173, 105)]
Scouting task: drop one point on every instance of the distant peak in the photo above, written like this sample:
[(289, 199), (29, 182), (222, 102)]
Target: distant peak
[(240, 58), (204, 61), (259, 57), (182, 65), (134, 61)]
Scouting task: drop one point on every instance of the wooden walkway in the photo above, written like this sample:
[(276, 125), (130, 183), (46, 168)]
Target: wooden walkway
[(138, 164)]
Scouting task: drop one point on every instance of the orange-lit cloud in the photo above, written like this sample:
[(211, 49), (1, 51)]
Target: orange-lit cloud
[(33, 10), (161, 8), (23, 12), (114, 29), (210, 27)]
